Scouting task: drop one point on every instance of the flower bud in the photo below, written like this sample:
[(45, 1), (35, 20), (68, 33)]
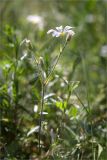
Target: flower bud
[(41, 61)]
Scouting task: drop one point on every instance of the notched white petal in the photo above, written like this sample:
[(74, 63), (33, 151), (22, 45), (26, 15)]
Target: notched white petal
[(67, 28), (50, 31), (56, 34), (59, 28), (71, 32)]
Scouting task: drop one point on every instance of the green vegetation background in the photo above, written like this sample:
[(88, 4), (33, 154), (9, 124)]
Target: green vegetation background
[(77, 134)]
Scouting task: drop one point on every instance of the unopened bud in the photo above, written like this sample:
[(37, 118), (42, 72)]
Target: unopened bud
[(28, 43), (25, 41), (41, 61)]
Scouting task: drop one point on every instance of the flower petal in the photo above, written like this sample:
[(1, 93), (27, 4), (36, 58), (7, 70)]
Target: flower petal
[(56, 34), (59, 29), (70, 32), (50, 31), (67, 28)]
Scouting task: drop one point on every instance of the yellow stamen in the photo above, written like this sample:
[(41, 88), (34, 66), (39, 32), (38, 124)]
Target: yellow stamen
[(62, 34)]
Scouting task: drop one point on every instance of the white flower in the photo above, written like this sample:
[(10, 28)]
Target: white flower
[(60, 31), (36, 19)]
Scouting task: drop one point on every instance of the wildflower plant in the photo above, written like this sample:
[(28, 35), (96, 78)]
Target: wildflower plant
[(67, 33), (58, 32), (43, 112)]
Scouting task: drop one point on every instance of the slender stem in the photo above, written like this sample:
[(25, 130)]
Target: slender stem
[(42, 100), (85, 69), (16, 82), (81, 102), (53, 68), (44, 83), (106, 70), (40, 122)]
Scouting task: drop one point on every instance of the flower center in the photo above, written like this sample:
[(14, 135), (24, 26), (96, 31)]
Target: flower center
[(62, 34)]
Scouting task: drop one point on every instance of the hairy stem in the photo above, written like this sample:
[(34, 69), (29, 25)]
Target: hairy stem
[(53, 68), (40, 123), (44, 83), (16, 84)]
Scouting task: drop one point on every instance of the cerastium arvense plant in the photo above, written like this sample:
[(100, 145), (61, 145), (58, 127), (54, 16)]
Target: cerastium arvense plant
[(58, 32)]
